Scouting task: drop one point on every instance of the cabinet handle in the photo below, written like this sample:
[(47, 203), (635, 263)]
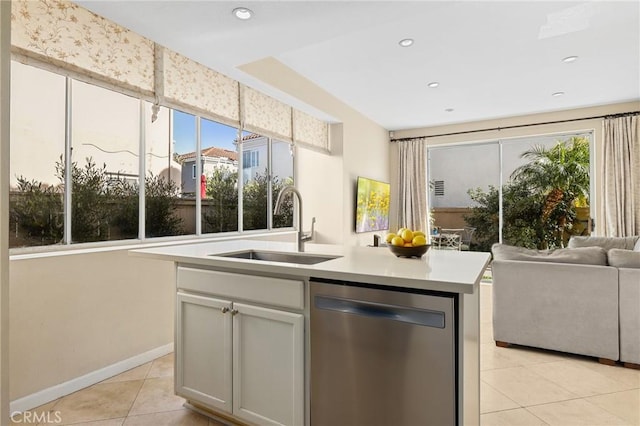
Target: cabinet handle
[(234, 311), (225, 310)]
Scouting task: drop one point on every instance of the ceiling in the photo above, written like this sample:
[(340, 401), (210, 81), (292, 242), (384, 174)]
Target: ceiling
[(492, 58)]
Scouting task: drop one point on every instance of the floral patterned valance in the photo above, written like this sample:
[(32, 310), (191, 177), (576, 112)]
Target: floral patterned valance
[(188, 82), (64, 34), (310, 130), (265, 115), (67, 36)]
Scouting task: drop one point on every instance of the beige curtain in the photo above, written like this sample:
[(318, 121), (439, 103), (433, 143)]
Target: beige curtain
[(622, 176), (412, 193)]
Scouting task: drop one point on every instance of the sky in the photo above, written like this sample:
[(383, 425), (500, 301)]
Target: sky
[(213, 134)]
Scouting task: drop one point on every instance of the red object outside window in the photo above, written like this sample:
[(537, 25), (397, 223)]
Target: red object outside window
[(203, 187)]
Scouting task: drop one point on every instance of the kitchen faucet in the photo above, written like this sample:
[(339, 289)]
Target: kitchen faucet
[(301, 237)]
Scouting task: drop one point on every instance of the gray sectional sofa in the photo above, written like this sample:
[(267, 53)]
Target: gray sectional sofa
[(584, 299)]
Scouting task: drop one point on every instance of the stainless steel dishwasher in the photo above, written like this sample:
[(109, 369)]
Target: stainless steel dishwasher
[(381, 357)]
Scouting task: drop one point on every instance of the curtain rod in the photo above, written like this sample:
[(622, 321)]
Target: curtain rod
[(622, 114)]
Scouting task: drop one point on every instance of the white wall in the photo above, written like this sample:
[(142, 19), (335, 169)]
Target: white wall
[(359, 147), (366, 151), (5, 55), (319, 179), (73, 314)]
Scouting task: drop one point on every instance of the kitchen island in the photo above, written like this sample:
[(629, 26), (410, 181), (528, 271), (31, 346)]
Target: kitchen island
[(245, 348)]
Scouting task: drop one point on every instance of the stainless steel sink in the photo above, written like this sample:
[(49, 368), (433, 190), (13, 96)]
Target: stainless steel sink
[(276, 256)]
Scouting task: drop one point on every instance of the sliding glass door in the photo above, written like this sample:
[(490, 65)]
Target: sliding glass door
[(459, 177), (532, 192)]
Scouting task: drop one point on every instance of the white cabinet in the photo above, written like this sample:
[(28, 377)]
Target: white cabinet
[(268, 373), (204, 350), (243, 359)]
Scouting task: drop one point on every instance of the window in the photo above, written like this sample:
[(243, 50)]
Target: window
[(184, 151), (282, 175), (122, 148), (220, 173), (255, 181), (36, 194), (250, 159), (166, 212), (264, 180), (105, 140)]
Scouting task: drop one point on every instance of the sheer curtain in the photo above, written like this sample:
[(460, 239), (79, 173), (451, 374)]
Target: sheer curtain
[(622, 176), (412, 193)]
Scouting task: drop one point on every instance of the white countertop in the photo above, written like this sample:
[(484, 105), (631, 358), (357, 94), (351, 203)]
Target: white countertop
[(441, 270)]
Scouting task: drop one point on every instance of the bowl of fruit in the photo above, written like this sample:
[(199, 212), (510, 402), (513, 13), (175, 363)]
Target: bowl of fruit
[(407, 243)]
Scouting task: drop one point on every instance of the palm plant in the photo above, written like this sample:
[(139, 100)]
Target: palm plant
[(560, 175)]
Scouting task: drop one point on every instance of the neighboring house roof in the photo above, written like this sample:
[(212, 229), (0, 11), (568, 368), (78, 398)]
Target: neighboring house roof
[(212, 152), (251, 136), (215, 152)]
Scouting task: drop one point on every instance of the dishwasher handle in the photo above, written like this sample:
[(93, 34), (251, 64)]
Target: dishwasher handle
[(424, 317)]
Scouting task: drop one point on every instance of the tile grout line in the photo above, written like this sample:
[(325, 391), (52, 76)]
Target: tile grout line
[(591, 371), (134, 400), (534, 415), (144, 380), (574, 399), (513, 409), (604, 409), (500, 392)]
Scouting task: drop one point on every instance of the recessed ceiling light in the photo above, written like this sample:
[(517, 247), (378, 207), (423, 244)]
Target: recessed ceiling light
[(406, 42), (556, 94), (449, 110), (433, 84), (570, 59), (242, 13)]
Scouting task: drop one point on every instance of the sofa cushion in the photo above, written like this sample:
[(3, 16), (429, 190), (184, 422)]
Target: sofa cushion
[(582, 255), (637, 246), (607, 243), (624, 258)]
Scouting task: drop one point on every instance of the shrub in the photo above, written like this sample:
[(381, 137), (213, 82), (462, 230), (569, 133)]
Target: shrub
[(161, 197), (37, 211), (221, 208), (539, 201)]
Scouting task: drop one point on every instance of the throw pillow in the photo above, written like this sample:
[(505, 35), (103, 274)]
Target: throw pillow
[(624, 258), (607, 243), (637, 246), (582, 255)]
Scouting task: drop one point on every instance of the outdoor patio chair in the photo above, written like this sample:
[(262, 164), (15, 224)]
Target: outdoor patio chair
[(467, 235), (449, 239)]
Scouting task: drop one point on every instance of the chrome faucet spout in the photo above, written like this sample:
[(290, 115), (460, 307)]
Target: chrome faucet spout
[(283, 192)]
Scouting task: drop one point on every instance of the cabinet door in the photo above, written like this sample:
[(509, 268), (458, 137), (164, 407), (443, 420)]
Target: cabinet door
[(268, 372), (203, 352)]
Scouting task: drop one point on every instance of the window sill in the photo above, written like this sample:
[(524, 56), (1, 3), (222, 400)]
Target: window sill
[(25, 253)]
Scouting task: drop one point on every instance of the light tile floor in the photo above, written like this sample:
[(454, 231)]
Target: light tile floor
[(525, 386), (519, 386), (142, 396)]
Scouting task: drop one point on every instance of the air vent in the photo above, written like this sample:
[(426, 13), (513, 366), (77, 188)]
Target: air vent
[(438, 188)]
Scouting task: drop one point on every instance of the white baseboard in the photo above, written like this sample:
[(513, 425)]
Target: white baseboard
[(54, 392)]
